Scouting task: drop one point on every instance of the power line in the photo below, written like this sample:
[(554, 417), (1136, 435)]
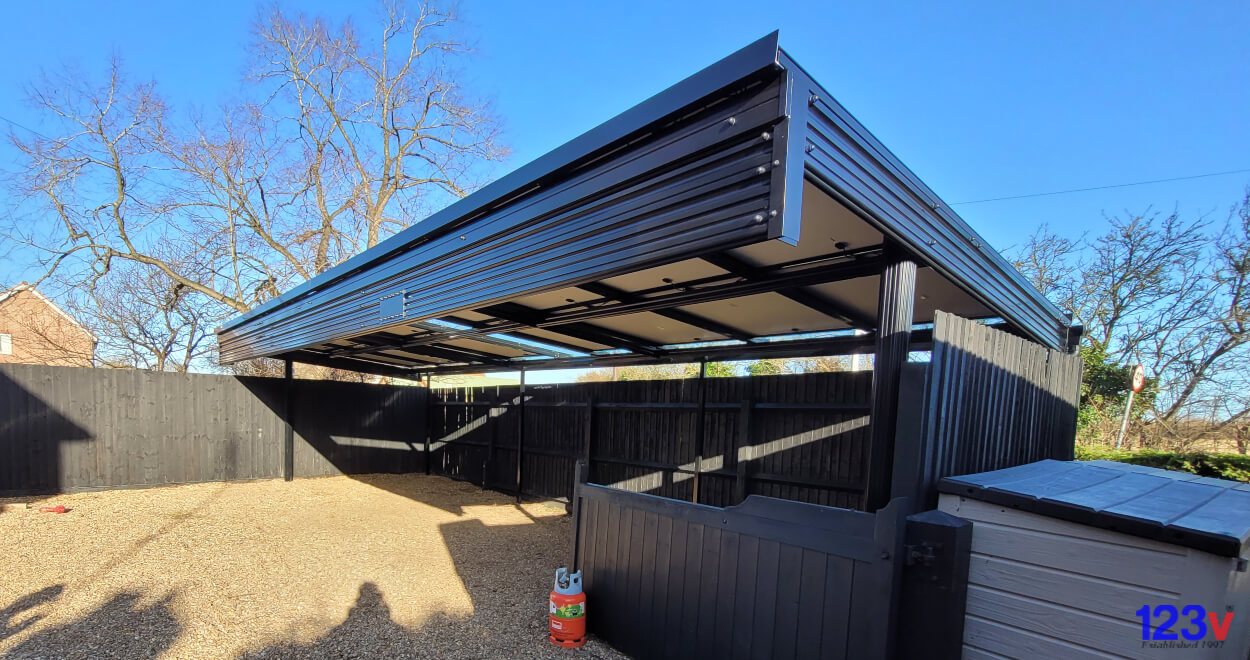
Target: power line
[(1116, 185), (974, 201), (63, 143)]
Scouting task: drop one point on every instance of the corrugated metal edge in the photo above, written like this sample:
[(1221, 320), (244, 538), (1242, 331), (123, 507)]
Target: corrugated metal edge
[(759, 55), (940, 216)]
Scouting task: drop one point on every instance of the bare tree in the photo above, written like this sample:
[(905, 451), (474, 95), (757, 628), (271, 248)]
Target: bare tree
[(1050, 263), (147, 321), (1170, 293), (1200, 344), (343, 137), (824, 364), (763, 367)]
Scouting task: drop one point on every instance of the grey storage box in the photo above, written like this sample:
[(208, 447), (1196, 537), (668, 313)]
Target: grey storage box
[(1065, 556)]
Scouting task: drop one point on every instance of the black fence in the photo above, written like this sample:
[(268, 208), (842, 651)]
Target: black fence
[(66, 428), (986, 400), (714, 441), (767, 578)]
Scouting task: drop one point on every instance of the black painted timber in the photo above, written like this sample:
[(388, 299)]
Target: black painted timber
[(766, 578), (934, 594), (801, 437), (68, 428)]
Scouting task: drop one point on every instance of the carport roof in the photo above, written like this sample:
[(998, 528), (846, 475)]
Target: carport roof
[(741, 213)]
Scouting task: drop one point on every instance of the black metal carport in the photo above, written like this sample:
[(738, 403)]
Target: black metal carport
[(742, 213)]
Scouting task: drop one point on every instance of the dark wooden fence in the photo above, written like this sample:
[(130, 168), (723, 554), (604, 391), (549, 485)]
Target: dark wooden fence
[(793, 437), (67, 428), (765, 578), (986, 400)]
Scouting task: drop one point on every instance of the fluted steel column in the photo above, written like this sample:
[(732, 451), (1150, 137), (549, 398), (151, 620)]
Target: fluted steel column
[(895, 305)]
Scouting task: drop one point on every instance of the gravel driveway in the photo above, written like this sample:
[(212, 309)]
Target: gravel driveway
[(379, 566)]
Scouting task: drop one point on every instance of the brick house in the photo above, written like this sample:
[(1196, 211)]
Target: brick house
[(35, 330)]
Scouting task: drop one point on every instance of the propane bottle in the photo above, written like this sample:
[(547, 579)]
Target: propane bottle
[(567, 610)]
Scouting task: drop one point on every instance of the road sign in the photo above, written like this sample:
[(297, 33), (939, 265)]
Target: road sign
[(1136, 381)]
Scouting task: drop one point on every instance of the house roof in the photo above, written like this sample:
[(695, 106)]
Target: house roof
[(1184, 509), (741, 213), (26, 286)]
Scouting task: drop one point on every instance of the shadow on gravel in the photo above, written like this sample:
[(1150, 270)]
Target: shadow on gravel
[(368, 632), (145, 632), (509, 617), (11, 620)]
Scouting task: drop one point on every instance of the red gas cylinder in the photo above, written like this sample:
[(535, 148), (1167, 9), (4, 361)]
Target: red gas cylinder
[(567, 610)]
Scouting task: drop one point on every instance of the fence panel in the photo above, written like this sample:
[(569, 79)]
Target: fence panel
[(764, 578), (70, 428), (793, 437)]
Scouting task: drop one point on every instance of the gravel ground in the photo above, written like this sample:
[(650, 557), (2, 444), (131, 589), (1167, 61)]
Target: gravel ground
[(380, 566)]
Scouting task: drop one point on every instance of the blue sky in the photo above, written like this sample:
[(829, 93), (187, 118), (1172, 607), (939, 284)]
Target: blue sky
[(980, 99)]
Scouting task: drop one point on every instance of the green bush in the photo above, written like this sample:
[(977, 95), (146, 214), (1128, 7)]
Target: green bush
[(1235, 467)]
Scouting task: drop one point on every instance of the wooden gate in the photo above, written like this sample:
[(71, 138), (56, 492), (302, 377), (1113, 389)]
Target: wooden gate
[(766, 578)]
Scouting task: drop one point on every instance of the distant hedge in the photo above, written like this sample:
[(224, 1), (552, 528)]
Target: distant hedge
[(1224, 466)]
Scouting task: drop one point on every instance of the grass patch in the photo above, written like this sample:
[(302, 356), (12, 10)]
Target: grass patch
[(1235, 467)]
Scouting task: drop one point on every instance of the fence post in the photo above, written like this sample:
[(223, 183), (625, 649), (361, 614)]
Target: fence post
[(589, 430), (492, 421), (875, 590), (698, 431), (935, 586), (520, 435), (741, 448), (288, 440), (911, 452), (580, 474)]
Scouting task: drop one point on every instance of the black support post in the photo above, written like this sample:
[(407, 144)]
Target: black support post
[(288, 441), (429, 421), (895, 303), (520, 435), (698, 430)]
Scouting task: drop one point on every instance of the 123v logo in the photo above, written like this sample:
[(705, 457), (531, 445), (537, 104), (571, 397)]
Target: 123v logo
[(1195, 623)]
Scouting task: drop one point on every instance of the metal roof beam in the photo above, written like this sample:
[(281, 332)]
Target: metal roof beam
[(719, 287), (682, 316), (845, 345), (742, 280), (461, 354), (427, 346), (480, 327), (851, 317), (372, 345), (352, 364), (526, 316)]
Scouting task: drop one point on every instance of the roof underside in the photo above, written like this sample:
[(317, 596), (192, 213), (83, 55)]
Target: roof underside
[(741, 213)]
